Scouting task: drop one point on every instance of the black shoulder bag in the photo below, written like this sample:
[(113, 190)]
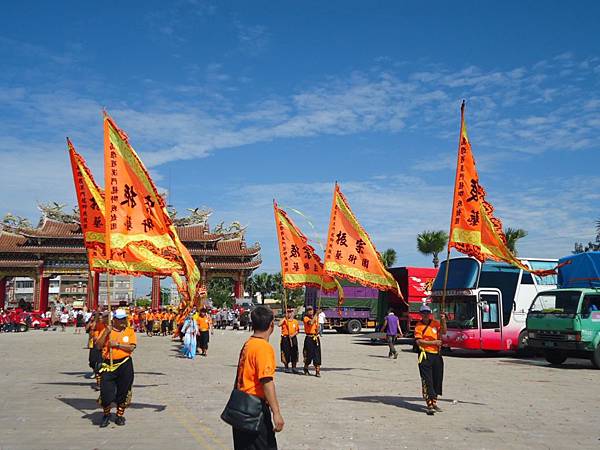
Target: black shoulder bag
[(243, 411)]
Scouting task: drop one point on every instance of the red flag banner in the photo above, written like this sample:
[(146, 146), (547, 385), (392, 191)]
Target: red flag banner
[(350, 253)]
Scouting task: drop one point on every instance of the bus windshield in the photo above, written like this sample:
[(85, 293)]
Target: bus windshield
[(461, 312), (557, 303), (462, 274)]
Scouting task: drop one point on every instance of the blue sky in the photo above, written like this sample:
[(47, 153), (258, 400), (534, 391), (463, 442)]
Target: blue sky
[(232, 104)]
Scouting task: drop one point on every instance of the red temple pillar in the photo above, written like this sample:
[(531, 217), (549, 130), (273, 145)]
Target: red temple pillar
[(155, 296), (3, 292), (41, 291), (93, 290), (96, 289), (238, 289)]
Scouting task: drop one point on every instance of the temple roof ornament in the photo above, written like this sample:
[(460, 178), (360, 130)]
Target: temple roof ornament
[(55, 211)]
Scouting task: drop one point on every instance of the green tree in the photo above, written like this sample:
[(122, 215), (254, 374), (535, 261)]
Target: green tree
[(512, 236), (220, 290), (432, 243), (295, 296), (591, 246), (389, 257), (263, 283)]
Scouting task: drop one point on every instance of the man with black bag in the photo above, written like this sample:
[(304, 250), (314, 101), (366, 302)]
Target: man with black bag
[(254, 399)]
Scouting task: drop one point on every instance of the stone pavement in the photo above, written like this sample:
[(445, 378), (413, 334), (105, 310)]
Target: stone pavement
[(363, 401)]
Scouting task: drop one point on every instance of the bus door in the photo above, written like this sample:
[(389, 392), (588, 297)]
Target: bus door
[(490, 319)]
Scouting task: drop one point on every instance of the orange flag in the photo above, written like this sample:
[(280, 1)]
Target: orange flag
[(350, 253), (474, 230), (137, 219), (91, 209), (300, 265)]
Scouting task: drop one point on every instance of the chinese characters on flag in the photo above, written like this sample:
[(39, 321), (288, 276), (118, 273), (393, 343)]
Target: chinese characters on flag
[(91, 209), (350, 253), (137, 219), (300, 265), (474, 230)]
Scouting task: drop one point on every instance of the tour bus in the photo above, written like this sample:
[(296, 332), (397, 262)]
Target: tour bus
[(486, 304)]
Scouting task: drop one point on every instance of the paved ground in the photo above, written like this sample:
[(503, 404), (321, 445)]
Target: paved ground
[(363, 400)]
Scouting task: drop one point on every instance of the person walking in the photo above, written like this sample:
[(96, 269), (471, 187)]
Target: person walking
[(204, 326), (118, 373), (190, 332), (150, 322), (322, 319), (312, 342), (428, 332), (79, 322), (64, 320), (255, 376), (391, 328), (289, 341)]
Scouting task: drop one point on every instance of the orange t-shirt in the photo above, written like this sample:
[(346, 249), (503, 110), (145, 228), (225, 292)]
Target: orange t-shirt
[(96, 332), (257, 362), (127, 336), (432, 333), (289, 327), (311, 329), (171, 316), (149, 317), (203, 323)]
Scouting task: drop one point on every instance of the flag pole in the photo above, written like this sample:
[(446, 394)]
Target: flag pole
[(462, 122), (109, 315)]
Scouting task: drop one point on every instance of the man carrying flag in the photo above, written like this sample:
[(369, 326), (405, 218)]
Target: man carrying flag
[(301, 266)]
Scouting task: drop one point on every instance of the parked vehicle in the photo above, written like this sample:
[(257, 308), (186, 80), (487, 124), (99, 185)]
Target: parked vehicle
[(565, 323), (415, 284), (486, 304)]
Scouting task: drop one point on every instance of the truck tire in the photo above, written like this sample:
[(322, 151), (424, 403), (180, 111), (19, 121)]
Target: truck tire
[(596, 357), (555, 358), (354, 326)]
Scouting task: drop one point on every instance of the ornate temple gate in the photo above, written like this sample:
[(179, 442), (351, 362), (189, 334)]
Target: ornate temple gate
[(55, 247)]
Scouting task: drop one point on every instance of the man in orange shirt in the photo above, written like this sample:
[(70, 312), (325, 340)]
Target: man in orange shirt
[(204, 327), (289, 341), (428, 332), (149, 322), (117, 343), (255, 375), (96, 327), (312, 342)]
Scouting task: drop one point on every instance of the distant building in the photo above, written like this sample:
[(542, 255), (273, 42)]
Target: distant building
[(121, 289)]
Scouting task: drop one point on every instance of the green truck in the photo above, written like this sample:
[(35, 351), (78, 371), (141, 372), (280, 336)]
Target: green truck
[(565, 323)]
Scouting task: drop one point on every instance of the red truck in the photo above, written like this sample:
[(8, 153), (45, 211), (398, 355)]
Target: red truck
[(415, 284)]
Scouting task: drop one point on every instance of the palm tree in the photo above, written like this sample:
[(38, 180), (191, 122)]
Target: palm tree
[(263, 283), (389, 257), (432, 243), (512, 236)]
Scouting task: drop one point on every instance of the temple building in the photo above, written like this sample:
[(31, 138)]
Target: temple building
[(55, 248)]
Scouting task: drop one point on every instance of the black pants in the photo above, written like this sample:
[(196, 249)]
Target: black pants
[(170, 326), (312, 350), (431, 369), (391, 340), (263, 440), (163, 327), (289, 350), (202, 339), (149, 326), (95, 359), (116, 386)]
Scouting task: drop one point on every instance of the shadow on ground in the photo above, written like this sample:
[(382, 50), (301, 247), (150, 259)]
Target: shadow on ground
[(415, 404), (86, 405)]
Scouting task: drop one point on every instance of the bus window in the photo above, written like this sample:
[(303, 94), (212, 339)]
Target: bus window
[(526, 278), (548, 280), (489, 316), (462, 274), (504, 277)]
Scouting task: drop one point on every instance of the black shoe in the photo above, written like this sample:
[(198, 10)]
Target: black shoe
[(306, 372), (120, 420), (286, 370), (105, 421), (430, 411), (437, 408), (295, 371)]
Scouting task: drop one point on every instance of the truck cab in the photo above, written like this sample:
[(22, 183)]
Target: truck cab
[(565, 323)]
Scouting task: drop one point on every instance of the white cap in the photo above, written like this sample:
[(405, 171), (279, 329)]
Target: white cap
[(120, 314)]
